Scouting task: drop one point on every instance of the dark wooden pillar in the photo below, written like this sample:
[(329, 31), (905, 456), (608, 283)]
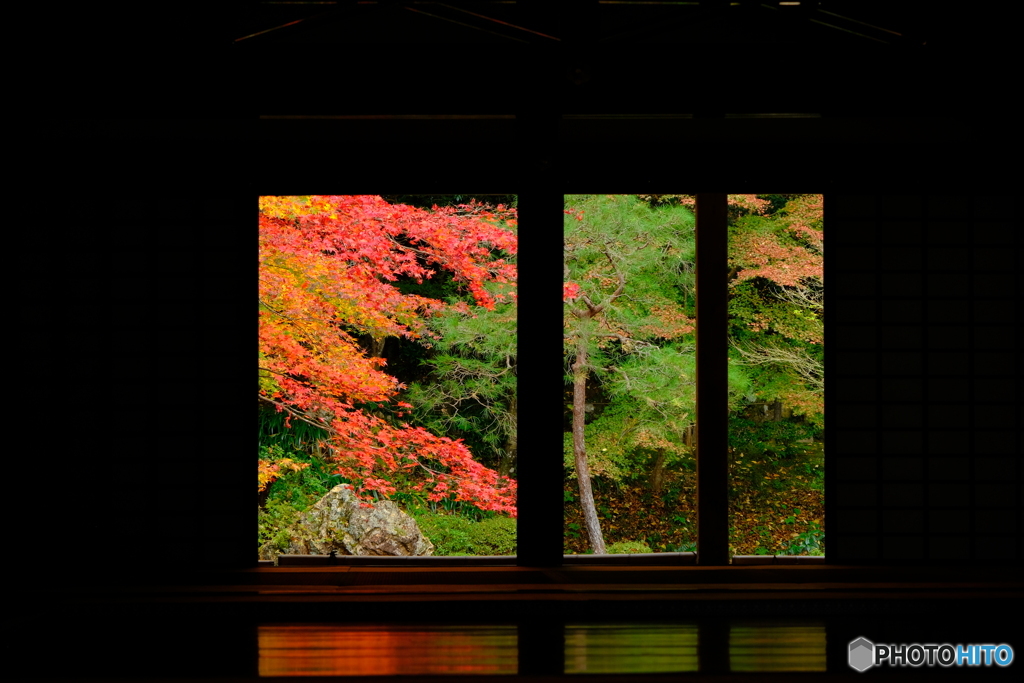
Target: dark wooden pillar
[(712, 382), (539, 367)]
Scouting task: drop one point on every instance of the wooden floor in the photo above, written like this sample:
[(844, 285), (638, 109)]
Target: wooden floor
[(505, 622)]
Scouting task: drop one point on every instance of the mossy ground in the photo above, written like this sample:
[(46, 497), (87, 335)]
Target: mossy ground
[(775, 508)]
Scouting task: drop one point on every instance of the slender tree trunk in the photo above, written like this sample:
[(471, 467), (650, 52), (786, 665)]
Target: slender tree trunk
[(579, 447), (508, 461), (657, 480)]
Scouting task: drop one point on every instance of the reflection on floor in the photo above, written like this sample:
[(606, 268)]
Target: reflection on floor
[(347, 650), (606, 624), (379, 650)]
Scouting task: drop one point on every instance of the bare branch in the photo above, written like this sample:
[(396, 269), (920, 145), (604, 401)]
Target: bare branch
[(300, 415), (807, 367), (812, 297)]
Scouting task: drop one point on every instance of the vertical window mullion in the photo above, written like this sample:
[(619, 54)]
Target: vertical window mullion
[(540, 526), (712, 381)]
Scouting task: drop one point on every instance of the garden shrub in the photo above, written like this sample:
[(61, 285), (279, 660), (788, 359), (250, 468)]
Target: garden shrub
[(628, 547), (455, 535), (275, 520), (495, 536)]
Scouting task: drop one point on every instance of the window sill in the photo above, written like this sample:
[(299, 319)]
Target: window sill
[(638, 559)]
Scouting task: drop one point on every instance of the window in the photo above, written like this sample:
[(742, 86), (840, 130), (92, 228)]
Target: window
[(630, 287), (631, 355), (776, 374), (387, 371), (631, 380)]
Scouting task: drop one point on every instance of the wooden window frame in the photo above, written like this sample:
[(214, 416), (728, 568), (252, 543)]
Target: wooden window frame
[(540, 489)]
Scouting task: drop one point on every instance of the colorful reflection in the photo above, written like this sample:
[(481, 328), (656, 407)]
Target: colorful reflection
[(386, 650), (771, 646), (644, 648), (630, 648)]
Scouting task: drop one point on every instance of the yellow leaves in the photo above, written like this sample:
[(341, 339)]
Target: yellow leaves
[(270, 471), (293, 466), (282, 207)]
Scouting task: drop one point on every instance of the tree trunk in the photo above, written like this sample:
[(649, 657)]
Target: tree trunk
[(377, 345), (579, 447), (508, 460), (657, 480)]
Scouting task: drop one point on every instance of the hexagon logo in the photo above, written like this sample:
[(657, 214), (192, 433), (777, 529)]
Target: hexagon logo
[(862, 654)]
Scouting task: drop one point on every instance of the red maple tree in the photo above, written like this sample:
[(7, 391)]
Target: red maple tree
[(327, 273)]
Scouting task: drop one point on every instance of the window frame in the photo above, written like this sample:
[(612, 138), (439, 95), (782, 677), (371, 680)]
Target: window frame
[(544, 547)]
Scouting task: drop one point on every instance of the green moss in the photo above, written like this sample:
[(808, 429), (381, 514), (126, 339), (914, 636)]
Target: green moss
[(495, 536), (455, 535), (628, 547)]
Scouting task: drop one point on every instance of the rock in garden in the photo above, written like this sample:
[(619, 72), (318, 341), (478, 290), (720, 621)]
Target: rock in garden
[(337, 522)]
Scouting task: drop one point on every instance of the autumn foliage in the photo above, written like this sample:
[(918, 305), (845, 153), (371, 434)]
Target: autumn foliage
[(777, 304), (329, 269), (269, 471)]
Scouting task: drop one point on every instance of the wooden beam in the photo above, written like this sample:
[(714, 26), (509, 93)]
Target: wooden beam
[(712, 382)]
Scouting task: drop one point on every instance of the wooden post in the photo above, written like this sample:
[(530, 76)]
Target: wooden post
[(712, 381), (540, 469)]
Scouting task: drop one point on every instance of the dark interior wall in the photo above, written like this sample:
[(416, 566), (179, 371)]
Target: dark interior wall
[(144, 342), (923, 320), (924, 376)]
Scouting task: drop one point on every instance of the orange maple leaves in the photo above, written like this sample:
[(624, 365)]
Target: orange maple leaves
[(328, 265), (790, 265), (783, 264)]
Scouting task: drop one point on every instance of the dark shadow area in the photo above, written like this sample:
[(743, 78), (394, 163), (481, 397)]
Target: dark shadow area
[(130, 521)]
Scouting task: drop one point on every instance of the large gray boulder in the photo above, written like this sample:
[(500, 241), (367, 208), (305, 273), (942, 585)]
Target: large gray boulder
[(337, 522)]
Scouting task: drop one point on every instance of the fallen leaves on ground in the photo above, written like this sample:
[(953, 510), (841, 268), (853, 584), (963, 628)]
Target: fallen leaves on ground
[(766, 516)]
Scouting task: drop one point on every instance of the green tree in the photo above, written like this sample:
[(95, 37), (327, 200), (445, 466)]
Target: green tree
[(777, 303), (470, 388), (629, 271)]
